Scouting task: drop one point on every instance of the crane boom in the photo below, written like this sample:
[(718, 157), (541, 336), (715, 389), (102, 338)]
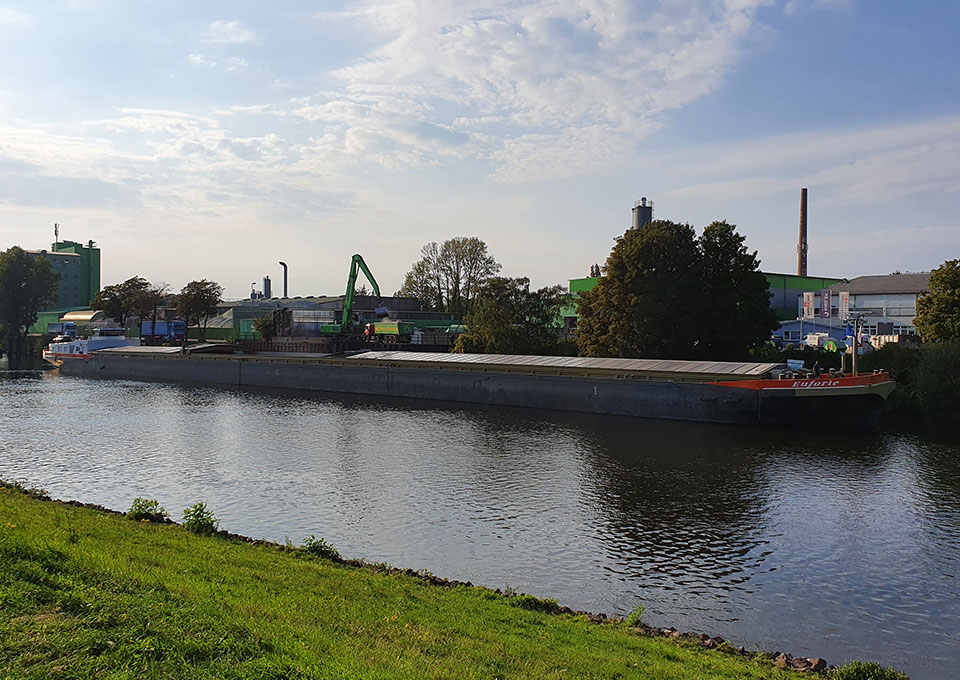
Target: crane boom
[(355, 264)]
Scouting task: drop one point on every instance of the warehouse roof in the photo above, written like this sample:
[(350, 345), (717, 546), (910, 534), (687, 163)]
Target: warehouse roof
[(887, 284), (84, 315)]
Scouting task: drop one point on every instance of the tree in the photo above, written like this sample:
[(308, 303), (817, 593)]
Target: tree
[(120, 300), (198, 301), (141, 303), (27, 284), (938, 309), (666, 294), (265, 326), (448, 277), (646, 303), (155, 296), (735, 314), (509, 318)]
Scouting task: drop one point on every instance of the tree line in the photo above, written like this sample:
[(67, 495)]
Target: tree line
[(667, 293), (664, 292), (136, 297), (29, 284), (502, 315)]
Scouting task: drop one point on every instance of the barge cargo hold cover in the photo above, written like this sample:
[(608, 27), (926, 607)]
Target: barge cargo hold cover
[(703, 391)]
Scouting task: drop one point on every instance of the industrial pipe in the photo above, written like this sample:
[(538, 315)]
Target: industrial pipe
[(284, 265)]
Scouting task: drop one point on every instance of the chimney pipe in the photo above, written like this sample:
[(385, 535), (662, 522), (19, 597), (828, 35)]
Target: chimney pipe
[(284, 265), (802, 245)]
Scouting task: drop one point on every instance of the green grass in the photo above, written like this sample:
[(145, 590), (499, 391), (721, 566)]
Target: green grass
[(87, 594)]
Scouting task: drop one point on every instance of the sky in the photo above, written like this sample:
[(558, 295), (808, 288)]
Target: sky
[(212, 139)]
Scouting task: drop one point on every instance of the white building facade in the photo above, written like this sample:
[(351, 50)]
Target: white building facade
[(888, 303)]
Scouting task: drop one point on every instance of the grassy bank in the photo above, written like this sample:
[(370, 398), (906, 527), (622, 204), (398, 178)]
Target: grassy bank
[(85, 593)]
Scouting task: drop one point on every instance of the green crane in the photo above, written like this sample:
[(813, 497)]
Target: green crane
[(346, 326)]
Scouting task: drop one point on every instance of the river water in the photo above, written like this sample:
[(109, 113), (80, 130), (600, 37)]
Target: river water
[(822, 545)]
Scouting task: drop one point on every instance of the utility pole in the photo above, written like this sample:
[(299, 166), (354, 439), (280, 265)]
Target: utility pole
[(856, 340)]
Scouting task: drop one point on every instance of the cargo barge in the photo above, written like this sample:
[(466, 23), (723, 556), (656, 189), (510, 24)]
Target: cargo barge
[(715, 392)]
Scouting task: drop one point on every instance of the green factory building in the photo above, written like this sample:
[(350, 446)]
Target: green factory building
[(79, 267)]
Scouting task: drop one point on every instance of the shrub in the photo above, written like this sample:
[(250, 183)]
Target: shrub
[(318, 547), (535, 604), (199, 520), (264, 326), (937, 382), (635, 617), (861, 670), (146, 509), (902, 364)]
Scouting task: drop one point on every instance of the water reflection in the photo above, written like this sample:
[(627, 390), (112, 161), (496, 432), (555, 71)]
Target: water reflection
[(842, 547)]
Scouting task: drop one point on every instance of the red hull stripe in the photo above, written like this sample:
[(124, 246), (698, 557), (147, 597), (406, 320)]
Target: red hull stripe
[(807, 383)]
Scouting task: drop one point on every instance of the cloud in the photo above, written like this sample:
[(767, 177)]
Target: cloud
[(796, 6), (227, 64), (173, 165), (230, 33), (876, 164), (538, 88), (15, 18)]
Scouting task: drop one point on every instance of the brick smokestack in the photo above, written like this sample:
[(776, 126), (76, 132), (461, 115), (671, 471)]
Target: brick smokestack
[(802, 245)]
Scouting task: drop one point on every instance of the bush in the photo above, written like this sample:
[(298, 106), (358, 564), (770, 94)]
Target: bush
[(635, 618), (318, 547), (937, 382), (535, 604), (146, 509), (860, 670), (199, 520), (902, 364)]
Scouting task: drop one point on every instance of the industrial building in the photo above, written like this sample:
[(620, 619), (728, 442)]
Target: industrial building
[(889, 300), (305, 315), (79, 269), (886, 303)]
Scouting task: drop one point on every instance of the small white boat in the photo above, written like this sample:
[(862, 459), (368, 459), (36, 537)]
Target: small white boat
[(63, 349)]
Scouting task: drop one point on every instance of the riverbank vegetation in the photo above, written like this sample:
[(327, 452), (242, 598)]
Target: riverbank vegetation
[(509, 318), (28, 283), (87, 593), (928, 382)]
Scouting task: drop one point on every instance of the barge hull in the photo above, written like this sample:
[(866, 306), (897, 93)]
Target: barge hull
[(690, 401), (744, 395)]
